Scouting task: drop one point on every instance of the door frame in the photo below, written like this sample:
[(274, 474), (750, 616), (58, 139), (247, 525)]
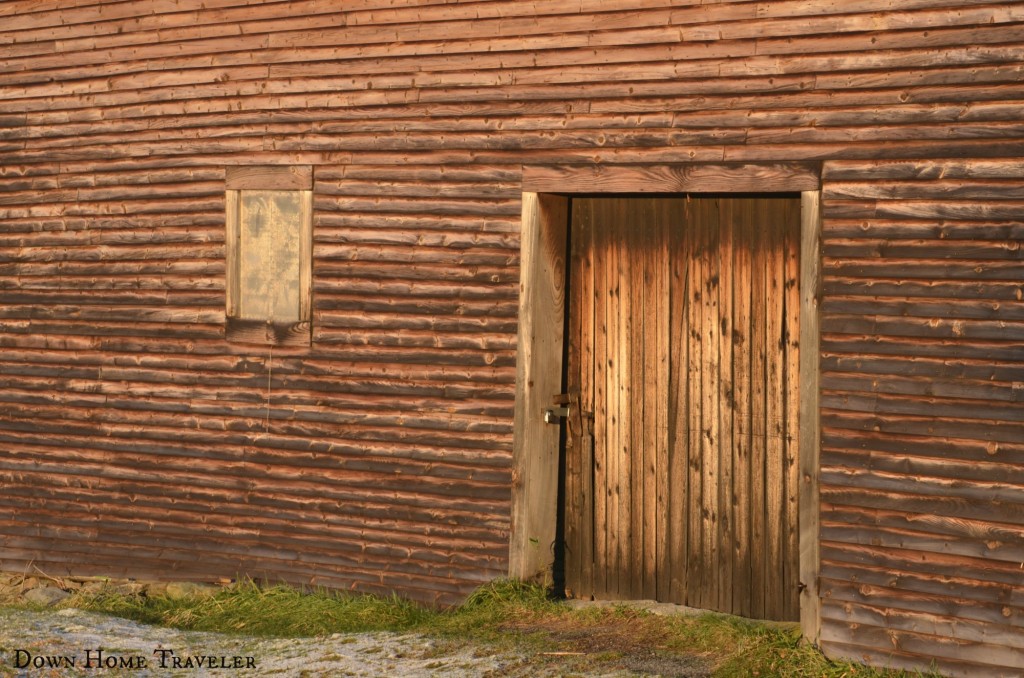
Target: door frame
[(541, 334)]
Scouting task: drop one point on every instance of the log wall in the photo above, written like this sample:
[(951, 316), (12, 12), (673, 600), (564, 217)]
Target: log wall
[(380, 457), (922, 478)]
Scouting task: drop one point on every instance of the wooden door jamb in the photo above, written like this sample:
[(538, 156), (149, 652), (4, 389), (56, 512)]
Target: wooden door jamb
[(539, 351)]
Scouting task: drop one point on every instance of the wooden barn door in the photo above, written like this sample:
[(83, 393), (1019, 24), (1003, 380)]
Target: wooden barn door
[(681, 452)]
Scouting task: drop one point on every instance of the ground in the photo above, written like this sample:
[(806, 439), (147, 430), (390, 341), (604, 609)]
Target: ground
[(66, 626), (42, 639)]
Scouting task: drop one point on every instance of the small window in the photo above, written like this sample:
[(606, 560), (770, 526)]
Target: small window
[(269, 252)]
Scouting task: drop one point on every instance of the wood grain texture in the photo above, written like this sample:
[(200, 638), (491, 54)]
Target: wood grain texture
[(673, 179), (725, 549), (538, 380), (121, 124), (809, 414), (945, 432), (268, 178)]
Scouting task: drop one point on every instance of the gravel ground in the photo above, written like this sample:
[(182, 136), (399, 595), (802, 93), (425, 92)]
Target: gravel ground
[(108, 646)]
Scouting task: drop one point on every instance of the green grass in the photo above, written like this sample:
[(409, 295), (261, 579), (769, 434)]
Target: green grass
[(277, 611), (752, 649), (503, 616)]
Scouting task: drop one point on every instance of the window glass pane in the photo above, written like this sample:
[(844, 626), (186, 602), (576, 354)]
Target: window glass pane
[(270, 226)]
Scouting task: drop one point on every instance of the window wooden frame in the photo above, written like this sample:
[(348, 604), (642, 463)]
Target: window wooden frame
[(268, 178)]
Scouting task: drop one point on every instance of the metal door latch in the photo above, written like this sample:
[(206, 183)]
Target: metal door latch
[(560, 411), (555, 415)]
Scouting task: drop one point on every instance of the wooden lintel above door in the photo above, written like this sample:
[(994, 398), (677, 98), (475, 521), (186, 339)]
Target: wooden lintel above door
[(682, 178)]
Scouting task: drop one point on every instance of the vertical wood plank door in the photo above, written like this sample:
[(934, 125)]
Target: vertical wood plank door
[(681, 449)]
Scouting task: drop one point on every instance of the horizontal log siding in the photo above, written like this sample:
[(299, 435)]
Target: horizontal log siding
[(380, 457), (922, 479)]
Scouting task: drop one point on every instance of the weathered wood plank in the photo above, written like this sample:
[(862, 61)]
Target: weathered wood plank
[(661, 467), (758, 419), (995, 350), (791, 390), (262, 332), (966, 429), (930, 612), (728, 243), (945, 576), (963, 536), (711, 392), (589, 319), (603, 319), (672, 179), (895, 326), (775, 399), (629, 385), (538, 377), (937, 625), (574, 490), (743, 226), (961, 504), (680, 365), (991, 291), (695, 554), (269, 178), (926, 209), (995, 394), (917, 190), (925, 249), (907, 445), (920, 622), (808, 415), (615, 558), (910, 661), (647, 480), (845, 170)]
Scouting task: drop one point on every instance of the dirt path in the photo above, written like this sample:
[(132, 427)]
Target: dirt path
[(72, 642), (79, 643)]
